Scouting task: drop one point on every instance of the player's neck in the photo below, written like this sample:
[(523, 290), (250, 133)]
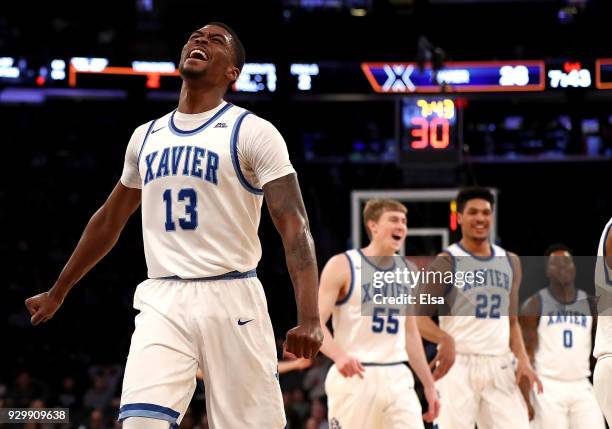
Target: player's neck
[(376, 249), (476, 247), (198, 100), (563, 293)]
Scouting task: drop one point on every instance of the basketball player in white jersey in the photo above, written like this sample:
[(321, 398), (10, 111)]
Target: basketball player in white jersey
[(481, 387), (602, 375), (201, 173), (557, 325), (369, 385)]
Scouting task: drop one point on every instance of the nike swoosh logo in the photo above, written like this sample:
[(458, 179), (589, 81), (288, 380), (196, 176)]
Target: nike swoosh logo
[(160, 128), (244, 322)]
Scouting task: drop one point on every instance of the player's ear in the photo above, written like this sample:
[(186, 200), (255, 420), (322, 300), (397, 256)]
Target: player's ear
[(371, 226), (232, 73), (459, 218)]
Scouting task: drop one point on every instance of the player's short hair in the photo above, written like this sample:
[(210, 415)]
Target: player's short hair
[(472, 193), (374, 209), (237, 46), (556, 248)]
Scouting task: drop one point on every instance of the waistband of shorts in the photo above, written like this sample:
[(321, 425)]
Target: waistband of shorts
[(483, 356), (384, 363), (232, 275)]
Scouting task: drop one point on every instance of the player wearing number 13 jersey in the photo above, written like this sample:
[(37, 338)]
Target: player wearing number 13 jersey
[(201, 177), (201, 173), (370, 385)]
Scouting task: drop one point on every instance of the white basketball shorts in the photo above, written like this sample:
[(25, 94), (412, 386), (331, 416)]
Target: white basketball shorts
[(383, 399), (566, 405), (602, 377), (221, 326), (481, 389)]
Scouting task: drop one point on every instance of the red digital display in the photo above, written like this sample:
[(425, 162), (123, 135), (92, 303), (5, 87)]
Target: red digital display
[(434, 133), (428, 126)]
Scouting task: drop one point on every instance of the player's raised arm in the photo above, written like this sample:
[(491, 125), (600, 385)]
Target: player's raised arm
[(523, 368), (335, 281), (98, 238), (287, 210)]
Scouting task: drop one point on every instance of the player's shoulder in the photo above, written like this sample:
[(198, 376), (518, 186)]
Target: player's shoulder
[(340, 263), (145, 127), (257, 132), (443, 261), (251, 121), (142, 129), (411, 265), (257, 122), (515, 261), (340, 259), (532, 306), (501, 252), (337, 271)]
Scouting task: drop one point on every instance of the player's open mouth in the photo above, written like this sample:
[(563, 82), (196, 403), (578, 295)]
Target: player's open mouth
[(198, 54), (396, 237)]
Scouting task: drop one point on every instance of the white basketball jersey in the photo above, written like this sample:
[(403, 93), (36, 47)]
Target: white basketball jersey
[(564, 337), (603, 285), (200, 207), (479, 320), (380, 338)]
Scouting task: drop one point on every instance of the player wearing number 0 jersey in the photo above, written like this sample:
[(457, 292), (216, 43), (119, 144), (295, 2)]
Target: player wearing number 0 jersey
[(370, 385), (480, 388), (201, 172), (557, 326), (603, 339)]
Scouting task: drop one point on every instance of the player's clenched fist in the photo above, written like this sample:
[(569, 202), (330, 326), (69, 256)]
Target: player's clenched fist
[(42, 307), (304, 341)]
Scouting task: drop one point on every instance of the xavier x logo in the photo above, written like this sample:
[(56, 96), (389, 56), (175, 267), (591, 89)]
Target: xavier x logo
[(398, 78)]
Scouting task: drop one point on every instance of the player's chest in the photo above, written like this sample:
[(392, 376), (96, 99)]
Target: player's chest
[(562, 319), (205, 156)]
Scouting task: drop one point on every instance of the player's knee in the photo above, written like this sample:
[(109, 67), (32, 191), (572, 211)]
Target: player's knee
[(144, 423)]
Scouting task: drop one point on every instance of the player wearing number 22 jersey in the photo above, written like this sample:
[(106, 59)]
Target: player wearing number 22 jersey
[(481, 322), (370, 385)]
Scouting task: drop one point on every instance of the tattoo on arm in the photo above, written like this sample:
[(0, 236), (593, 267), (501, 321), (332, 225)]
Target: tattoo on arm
[(286, 208)]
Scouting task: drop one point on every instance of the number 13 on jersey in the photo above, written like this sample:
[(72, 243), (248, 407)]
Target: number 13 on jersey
[(190, 218)]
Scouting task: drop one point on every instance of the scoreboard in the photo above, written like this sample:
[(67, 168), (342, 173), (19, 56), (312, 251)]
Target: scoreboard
[(485, 76), (428, 130), (327, 77)]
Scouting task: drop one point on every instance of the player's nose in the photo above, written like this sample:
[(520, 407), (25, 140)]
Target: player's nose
[(202, 38)]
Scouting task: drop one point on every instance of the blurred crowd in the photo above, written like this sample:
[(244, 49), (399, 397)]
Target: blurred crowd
[(93, 395)]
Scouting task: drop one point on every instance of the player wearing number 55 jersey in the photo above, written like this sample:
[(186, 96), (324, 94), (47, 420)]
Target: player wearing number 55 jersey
[(201, 173), (369, 385), (482, 324), (557, 325)]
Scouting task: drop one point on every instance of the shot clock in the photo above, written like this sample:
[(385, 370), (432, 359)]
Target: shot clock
[(428, 130)]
